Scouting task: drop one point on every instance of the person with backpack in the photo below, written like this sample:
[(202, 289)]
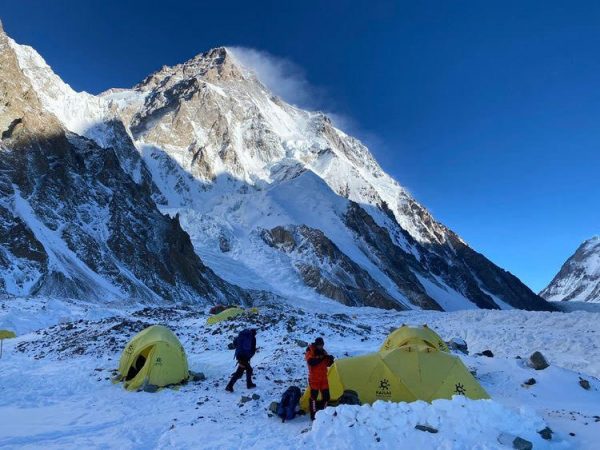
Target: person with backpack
[(318, 361), (245, 348)]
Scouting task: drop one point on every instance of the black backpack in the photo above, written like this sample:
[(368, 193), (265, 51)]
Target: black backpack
[(244, 344), (286, 409)]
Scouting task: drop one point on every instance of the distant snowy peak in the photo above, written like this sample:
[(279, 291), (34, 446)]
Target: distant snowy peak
[(579, 277)]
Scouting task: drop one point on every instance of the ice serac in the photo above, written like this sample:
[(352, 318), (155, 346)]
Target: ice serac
[(78, 220), (275, 197), (579, 277)]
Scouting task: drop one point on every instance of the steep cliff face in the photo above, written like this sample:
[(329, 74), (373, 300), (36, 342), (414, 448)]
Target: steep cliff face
[(77, 219), (579, 277), (325, 268), (208, 143)]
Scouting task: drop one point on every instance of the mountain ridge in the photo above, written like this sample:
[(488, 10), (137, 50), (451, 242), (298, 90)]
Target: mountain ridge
[(229, 159)]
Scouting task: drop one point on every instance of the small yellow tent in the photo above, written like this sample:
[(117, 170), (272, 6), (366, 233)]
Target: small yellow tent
[(415, 336), (5, 334), (153, 357), (229, 313), (417, 370)]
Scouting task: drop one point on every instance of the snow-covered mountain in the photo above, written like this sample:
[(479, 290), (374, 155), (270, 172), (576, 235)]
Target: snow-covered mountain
[(78, 220), (579, 277), (274, 198)]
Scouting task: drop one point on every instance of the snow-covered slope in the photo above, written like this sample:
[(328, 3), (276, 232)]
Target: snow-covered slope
[(579, 277), (57, 392), (234, 162)]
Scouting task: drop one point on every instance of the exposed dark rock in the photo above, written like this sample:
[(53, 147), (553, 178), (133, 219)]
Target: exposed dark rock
[(546, 433), (280, 237), (426, 428), (530, 382), (328, 270), (458, 344), (584, 384), (522, 444), (224, 244), (450, 259), (537, 361), (197, 376), (301, 343), (395, 262), (515, 442)]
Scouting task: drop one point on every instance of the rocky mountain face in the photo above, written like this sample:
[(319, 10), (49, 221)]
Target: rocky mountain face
[(74, 222), (579, 277), (273, 197)]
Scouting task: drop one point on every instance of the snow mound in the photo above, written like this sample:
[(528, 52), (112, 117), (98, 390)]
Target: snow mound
[(461, 424)]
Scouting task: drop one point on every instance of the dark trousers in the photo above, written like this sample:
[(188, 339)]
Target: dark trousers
[(316, 405), (243, 366)]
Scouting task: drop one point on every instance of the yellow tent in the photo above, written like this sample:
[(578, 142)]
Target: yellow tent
[(417, 370), (153, 358), (229, 313), (5, 334), (414, 336)]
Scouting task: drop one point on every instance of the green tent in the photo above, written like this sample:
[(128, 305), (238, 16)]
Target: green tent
[(153, 358), (229, 313)]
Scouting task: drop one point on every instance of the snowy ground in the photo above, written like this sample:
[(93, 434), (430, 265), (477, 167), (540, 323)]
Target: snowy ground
[(56, 390)]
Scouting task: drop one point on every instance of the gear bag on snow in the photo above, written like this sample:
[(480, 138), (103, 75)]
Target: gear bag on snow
[(286, 409), (349, 397), (244, 345)]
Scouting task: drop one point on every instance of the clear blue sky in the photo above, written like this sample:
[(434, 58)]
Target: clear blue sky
[(489, 112)]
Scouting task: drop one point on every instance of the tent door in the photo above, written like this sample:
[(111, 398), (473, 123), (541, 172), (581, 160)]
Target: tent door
[(138, 363)]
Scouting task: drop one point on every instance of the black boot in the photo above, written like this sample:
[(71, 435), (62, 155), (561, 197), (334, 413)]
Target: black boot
[(234, 377), (249, 383), (313, 409)]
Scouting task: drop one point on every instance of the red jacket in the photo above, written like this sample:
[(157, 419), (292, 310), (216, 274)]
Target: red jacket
[(317, 362)]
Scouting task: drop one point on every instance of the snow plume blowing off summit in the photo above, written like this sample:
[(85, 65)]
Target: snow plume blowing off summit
[(247, 193), (288, 80), (282, 76)]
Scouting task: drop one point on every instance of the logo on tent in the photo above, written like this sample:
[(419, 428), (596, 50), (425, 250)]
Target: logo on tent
[(384, 389), (459, 389)]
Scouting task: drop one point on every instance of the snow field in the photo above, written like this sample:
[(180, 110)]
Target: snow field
[(57, 393)]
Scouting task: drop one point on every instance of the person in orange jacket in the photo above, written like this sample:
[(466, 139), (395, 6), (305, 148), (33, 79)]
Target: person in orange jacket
[(318, 361)]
